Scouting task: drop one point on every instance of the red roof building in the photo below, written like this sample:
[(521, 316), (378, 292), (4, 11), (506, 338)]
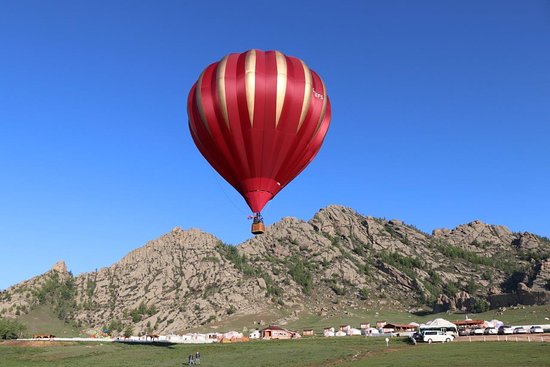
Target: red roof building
[(274, 332)]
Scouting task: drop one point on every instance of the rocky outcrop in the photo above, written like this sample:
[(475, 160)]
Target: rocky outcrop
[(175, 282), (338, 260), (20, 298), (478, 237), (526, 242), (541, 278), (461, 301)]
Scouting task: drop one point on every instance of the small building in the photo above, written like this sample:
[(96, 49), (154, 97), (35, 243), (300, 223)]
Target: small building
[(254, 334), (344, 328), (308, 332), (328, 331), (273, 332), (380, 324), (364, 325), (398, 328)]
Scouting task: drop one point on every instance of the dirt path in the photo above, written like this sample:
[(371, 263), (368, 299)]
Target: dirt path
[(35, 343)]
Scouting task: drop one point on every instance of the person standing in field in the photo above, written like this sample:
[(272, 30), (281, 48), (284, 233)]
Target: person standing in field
[(197, 358)]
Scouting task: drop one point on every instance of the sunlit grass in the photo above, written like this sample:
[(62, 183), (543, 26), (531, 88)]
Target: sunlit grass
[(345, 351)]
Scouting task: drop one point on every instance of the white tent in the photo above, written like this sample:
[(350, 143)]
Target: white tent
[(370, 331), (232, 334), (439, 324), (328, 332), (495, 323)]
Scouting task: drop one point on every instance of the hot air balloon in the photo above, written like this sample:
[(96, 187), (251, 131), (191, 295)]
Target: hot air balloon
[(259, 118)]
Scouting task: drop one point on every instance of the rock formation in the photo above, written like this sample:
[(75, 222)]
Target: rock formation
[(337, 260)]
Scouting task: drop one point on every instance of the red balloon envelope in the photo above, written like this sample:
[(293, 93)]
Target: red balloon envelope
[(259, 118)]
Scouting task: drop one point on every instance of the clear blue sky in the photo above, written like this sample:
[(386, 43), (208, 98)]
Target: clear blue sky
[(441, 115)]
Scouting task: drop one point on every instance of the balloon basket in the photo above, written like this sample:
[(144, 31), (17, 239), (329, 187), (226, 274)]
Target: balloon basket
[(258, 228)]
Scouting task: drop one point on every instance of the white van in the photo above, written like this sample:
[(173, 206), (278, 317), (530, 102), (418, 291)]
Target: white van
[(430, 336)]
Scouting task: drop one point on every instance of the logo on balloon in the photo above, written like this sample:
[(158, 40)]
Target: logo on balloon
[(318, 95)]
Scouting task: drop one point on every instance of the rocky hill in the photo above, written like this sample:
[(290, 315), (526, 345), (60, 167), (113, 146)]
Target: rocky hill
[(337, 260)]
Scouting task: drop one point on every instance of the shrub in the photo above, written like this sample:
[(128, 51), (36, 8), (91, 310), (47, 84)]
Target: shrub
[(299, 271), (481, 305), (115, 325), (240, 262), (128, 331), (451, 289), (10, 329), (364, 293), (471, 287)]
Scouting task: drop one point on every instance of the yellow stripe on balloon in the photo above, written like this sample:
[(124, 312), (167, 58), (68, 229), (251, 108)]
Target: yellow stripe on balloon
[(308, 90), (250, 83), (282, 78), (220, 82), (200, 105)]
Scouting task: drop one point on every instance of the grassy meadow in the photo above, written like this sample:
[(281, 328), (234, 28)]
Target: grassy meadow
[(349, 352), (41, 320), (315, 351), (519, 316)]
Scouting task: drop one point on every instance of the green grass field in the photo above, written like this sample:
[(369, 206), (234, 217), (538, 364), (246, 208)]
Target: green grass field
[(349, 352), (41, 320)]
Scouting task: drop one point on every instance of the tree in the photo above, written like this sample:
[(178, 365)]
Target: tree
[(10, 329), (115, 325), (481, 305), (128, 331)]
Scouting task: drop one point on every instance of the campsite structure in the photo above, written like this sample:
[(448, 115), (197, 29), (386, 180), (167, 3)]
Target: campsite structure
[(273, 332), (439, 324)]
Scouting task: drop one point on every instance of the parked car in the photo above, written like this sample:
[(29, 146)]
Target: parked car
[(490, 331), (520, 330), (477, 331), (536, 330), (463, 332), (430, 336), (505, 330)]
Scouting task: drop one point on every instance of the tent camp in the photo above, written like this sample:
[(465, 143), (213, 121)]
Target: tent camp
[(370, 331), (439, 324)]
